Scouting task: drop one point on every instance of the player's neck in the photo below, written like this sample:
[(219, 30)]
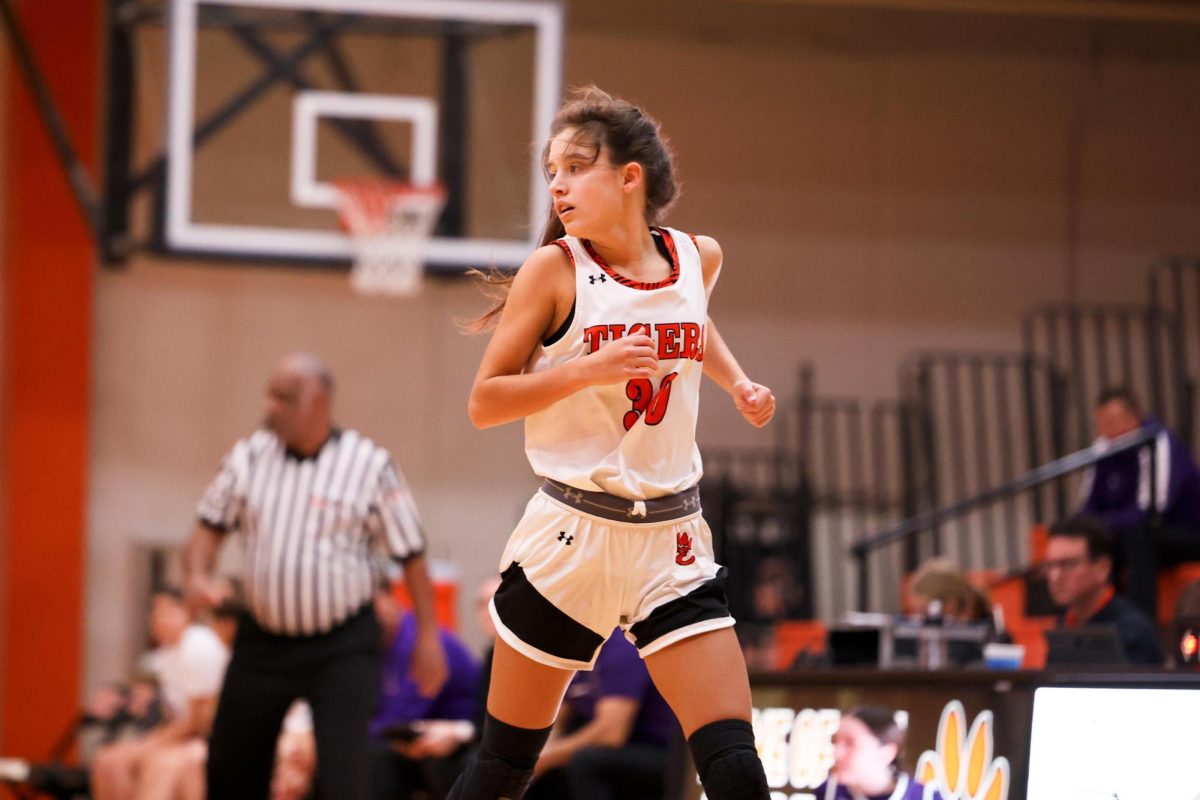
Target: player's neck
[(630, 248)]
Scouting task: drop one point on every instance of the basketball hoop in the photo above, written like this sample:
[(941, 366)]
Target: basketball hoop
[(390, 224)]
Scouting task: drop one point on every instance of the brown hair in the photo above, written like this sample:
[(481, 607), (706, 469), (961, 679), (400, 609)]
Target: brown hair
[(627, 134), (1092, 530), (881, 722), (941, 579)]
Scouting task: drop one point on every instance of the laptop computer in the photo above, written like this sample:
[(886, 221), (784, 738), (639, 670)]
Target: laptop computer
[(1091, 644)]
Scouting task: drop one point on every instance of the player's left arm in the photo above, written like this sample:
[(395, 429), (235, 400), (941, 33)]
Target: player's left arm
[(754, 401)]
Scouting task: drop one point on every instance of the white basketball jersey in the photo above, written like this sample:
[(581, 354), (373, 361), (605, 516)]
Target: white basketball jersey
[(636, 438)]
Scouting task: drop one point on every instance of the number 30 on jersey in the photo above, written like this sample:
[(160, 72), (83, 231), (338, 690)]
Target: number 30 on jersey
[(640, 392)]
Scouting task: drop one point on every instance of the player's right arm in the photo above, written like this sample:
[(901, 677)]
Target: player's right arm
[(541, 296)]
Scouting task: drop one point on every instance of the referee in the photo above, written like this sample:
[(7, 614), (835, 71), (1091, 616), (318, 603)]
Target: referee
[(313, 502)]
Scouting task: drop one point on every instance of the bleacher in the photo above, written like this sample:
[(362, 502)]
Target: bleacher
[(846, 474)]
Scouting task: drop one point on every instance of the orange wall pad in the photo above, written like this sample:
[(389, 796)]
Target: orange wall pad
[(47, 285)]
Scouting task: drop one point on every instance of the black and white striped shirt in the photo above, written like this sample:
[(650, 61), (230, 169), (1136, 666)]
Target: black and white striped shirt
[(311, 526)]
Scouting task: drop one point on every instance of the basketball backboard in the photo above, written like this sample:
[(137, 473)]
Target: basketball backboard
[(267, 102)]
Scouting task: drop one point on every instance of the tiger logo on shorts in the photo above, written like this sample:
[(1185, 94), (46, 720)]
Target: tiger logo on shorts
[(683, 549)]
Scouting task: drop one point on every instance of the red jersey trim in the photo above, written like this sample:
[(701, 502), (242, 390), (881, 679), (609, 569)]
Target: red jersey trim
[(566, 248), (670, 280)]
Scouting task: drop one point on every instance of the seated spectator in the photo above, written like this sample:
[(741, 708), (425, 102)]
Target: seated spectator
[(114, 712), (1078, 568), (419, 743), (179, 772), (941, 592), (189, 664), (295, 755), (1150, 532), (867, 760), (611, 738), (940, 580)]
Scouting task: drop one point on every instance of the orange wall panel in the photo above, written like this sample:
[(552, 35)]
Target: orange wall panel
[(47, 285)]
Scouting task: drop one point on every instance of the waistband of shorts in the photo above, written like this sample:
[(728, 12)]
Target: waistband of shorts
[(619, 509)]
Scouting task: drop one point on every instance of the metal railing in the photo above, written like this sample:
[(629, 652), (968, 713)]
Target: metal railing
[(982, 418), (1031, 480), (964, 422)]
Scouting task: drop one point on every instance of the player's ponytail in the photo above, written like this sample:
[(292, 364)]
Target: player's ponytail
[(628, 134)]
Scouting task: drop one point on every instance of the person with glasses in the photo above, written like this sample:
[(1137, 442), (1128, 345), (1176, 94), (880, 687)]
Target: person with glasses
[(1078, 569)]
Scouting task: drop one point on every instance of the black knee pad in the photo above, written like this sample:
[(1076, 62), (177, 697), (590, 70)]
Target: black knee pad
[(502, 767), (727, 762)]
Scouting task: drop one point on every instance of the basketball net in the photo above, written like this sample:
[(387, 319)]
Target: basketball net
[(389, 224)]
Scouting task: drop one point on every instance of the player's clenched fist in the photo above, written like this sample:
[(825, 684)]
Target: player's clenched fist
[(629, 357), (755, 402)]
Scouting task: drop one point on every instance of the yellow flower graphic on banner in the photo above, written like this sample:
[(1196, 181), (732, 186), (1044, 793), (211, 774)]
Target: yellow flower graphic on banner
[(962, 767)]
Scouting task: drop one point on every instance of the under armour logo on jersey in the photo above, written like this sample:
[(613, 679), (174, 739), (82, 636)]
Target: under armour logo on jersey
[(683, 550), (564, 538), (574, 495), (593, 279), (691, 502)]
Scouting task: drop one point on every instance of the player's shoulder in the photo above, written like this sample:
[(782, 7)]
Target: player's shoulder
[(710, 249), (711, 257), (548, 274), (549, 261)]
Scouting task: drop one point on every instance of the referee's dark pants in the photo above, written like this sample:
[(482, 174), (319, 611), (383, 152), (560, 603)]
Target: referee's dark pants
[(336, 672)]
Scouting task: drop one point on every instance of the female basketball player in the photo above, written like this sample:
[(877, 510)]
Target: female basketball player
[(599, 347)]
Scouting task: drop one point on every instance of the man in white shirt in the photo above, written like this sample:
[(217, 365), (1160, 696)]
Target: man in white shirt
[(190, 664)]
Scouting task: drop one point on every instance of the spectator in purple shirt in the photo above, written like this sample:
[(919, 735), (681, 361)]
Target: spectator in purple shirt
[(610, 740), (867, 749), (1150, 531), (419, 742)]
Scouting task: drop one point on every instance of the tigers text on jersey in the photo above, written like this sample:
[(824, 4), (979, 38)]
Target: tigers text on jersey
[(636, 438), (312, 526)]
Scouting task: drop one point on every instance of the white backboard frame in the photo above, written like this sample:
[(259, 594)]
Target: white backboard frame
[(309, 106), (184, 233)]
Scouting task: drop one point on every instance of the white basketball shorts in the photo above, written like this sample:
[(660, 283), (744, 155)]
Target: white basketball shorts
[(581, 563)]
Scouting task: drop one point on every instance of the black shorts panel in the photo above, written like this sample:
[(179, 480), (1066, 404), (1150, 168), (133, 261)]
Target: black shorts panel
[(537, 622), (706, 602)]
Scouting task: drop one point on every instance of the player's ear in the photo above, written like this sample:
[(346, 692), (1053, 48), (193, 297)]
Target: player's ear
[(632, 176)]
